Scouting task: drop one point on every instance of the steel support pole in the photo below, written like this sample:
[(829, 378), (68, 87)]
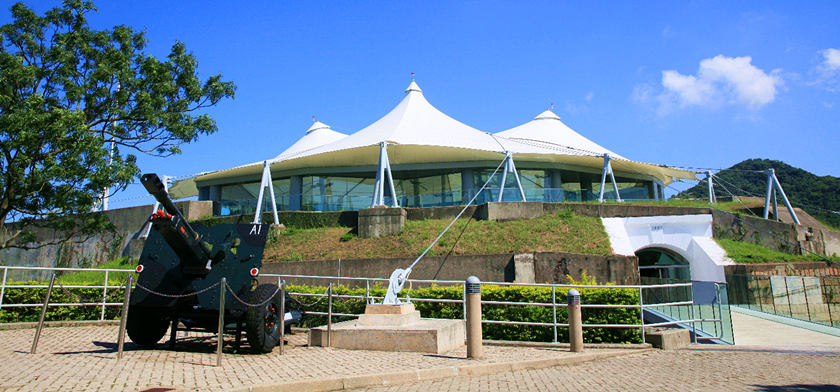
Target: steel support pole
[(271, 192), (767, 193), (642, 313), (390, 177), (367, 292), (221, 334), (513, 170), (43, 313), (554, 310), (473, 302), (283, 318), (604, 176), (329, 315), (805, 293), (3, 286), (784, 197), (104, 297), (693, 323), (775, 206), (504, 180), (124, 317), (711, 187)]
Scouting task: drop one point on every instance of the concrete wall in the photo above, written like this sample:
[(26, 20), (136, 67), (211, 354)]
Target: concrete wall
[(86, 252), (784, 269), (555, 267), (548, 267)]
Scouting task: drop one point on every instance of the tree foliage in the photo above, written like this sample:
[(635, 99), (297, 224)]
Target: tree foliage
[(818, 196), (70, 97)]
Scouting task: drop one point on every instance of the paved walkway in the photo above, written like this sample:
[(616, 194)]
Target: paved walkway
[(750, 330), (84, 359), (680, 370)]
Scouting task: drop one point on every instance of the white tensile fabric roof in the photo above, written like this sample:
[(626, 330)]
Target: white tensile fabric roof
[(546, 130), (417, 132), (317, 135)]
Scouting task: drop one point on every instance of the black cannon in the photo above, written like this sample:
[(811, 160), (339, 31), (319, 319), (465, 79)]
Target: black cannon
[(180, 271)]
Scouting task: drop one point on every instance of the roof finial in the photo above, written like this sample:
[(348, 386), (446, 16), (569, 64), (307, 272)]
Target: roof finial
[(313, 118), (552, 107), (412, 76)]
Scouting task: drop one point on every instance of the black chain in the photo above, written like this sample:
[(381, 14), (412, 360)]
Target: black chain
[(76, 297), (177, 296), (248, 304), (312, 304)]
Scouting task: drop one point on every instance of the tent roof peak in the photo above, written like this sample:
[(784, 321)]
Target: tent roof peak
[(413, 87), (316, 126), (547, 115)]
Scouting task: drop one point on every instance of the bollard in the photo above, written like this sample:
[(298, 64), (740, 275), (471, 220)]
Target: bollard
[(329, 316), (121, 338), (575, 322), (43, 313), (222, 293), (473, 316), (283, 317)]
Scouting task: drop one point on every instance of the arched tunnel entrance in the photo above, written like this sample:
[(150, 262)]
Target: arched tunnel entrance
[(663, 265)]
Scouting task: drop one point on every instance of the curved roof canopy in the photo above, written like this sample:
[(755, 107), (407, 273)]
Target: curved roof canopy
[(317, 135), (546, 130), (417, 132)]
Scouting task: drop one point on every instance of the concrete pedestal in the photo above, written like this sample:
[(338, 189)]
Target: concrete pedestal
[(393, 328)]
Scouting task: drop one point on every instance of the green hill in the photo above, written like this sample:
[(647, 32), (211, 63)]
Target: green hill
[(819, 196)]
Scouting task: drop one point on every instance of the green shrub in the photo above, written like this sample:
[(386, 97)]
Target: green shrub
[(58, 296), (541, 314)]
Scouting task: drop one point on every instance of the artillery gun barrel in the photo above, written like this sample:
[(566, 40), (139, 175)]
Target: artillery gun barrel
[(156, 188), (194, 254)]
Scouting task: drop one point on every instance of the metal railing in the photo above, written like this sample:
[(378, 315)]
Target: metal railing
[(102, 302), (641, 306), (807, 298)]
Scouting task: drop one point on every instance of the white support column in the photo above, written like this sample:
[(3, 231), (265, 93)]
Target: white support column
[(512, 168), (608, 170), (711, 186), (266, 182), (767, 194), (504, 179), (784, 197), (383, 173), (148, 225)]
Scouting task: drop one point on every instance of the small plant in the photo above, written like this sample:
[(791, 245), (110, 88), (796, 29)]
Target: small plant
[(347, 237)]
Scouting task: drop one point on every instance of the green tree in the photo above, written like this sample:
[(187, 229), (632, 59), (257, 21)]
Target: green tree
[(70, 97)]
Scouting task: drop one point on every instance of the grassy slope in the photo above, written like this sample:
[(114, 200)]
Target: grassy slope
[(560, 232), (744, 253)]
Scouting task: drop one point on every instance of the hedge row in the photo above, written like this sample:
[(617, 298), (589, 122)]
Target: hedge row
[(427, 309), (541, 314), (294, 219), (58, 295)]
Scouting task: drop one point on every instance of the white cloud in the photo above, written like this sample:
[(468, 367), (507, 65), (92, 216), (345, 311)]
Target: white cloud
[(828, 72), (719, 80), (589, 96), (832, 59)]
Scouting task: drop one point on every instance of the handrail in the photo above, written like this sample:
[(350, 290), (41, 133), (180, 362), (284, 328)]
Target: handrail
[(641, 305)]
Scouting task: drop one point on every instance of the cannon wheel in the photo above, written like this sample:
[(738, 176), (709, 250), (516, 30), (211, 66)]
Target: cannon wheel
[(145, 326), (262, 324)]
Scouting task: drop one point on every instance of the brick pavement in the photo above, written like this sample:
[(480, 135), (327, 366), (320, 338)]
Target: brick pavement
[(84, 359), (663, 371)]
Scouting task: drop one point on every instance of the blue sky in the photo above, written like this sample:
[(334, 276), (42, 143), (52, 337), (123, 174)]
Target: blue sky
[(701, 84)]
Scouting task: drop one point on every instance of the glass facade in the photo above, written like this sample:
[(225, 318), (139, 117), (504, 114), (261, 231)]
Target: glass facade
[(426, 189)]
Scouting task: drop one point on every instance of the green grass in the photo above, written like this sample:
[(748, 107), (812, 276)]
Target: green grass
[(98, 277), (744, 253), (558, 232)]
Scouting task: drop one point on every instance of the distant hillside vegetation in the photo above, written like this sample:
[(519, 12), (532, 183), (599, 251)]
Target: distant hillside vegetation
[(818, 196)]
